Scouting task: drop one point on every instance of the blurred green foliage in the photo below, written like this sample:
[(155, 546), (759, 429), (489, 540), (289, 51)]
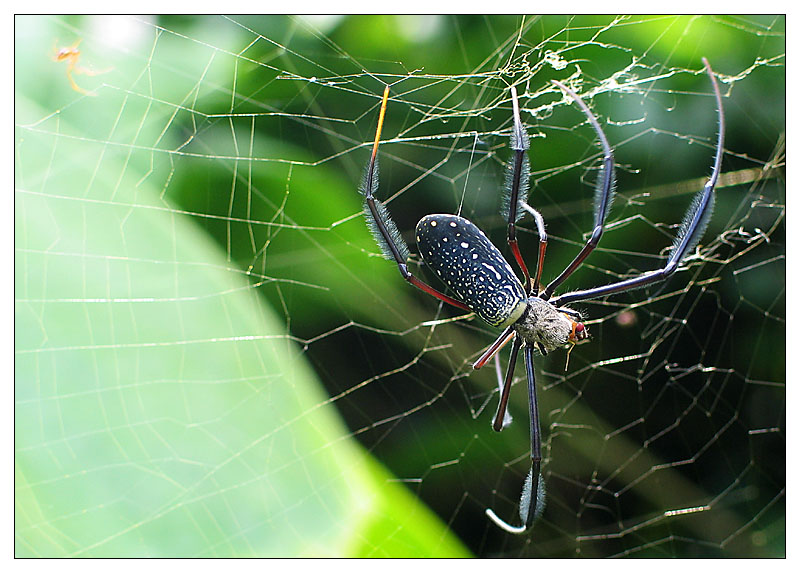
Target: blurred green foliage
[(161, 408)]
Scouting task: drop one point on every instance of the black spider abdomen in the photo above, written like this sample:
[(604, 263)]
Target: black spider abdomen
[(474, 269)]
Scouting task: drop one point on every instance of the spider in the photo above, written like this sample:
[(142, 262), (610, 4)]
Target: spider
[(484, 283), (71, 54)]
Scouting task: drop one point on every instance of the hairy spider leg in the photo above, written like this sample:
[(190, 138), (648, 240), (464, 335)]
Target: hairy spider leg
[(690, 232), (533, 489), (497, 423), (537, 217), (516, 193), (517, 179), (498, 371), (495, 347), (518, 170), (604, 195), (383, 227)]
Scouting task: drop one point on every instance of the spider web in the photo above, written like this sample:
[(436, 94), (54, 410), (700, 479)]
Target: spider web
[(665, 436)]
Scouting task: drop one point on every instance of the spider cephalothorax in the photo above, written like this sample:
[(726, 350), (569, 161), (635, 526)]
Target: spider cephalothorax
[(547, 327), (483, 282)]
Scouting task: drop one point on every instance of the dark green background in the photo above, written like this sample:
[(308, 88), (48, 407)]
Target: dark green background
[(693, 413)]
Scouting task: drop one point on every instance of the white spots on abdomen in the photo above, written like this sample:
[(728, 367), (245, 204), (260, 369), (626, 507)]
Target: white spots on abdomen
[(474, 269), (494, 270)]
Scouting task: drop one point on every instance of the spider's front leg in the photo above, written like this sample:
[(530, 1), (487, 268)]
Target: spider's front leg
[(515, 198), (691, 230), (382, 226), (603, 197)]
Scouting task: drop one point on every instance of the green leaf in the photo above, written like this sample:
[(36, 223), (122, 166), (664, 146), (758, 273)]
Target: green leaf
[(161, 408)]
